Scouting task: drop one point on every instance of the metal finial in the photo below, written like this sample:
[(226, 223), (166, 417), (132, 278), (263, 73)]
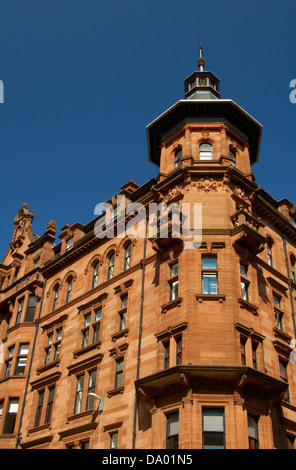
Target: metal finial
[(200, 50), (201, 60)]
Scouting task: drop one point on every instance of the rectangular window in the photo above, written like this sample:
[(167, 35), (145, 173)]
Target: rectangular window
[(245, 290), (166, 346), (209, 283), (21, 359), (174, 282), (49, 405), (179, 348), (9, 361), (209, 274), (209, 262), (79, 394), (276, 301), (253, 432), (91, 389), (122, 321), (85, 331), (243, 350), (172, 440), (11, 416), (119, 373), (213, 428), (92, 325), (30, 314), (114, 440), (57, 344), (69, 244), (19, 311), (174, 290), (284, 377), (39, 408), (254, 354), (278, 320), (243, 270)]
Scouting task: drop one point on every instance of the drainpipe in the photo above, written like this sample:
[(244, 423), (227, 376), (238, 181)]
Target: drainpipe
[(18, 436), (140, 336), (290, 282)]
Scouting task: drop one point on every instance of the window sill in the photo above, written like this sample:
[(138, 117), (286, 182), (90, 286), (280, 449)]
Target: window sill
[(248, 306), (13, 377), (119, 334), (282, 335), (79, 415), (85, 349), (39, 428), (172, 304), (218, 297), (115, 391), (48, 366)]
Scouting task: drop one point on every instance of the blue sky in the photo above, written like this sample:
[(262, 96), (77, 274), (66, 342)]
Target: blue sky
[(83, 79)]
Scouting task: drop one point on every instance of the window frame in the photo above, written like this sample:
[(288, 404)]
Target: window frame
[(172, 440), (205, 151), (209, 272), (207, 433)]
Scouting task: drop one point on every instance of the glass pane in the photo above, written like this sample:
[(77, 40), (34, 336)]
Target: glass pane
[(252, 427), (124, 301), (209, 283), (174, 290), (98, 314), (87, 320), (209, 262), (24, 349), (213, 440), (173, 423), (174, 269), (59, 334), (13, 405), (114, 440), (276, 301), (213, 419), (243, 270)]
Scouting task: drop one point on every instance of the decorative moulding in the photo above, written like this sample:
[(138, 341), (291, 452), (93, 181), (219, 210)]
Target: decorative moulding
[(217, 297)]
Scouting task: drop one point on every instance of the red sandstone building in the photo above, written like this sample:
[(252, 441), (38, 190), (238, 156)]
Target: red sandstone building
[(187, 348)]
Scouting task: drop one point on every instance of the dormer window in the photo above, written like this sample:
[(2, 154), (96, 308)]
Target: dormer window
[(178, 157), (69, 244), (205, 152)]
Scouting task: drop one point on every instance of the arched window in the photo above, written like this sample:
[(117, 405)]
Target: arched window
[(95, 275), (178, 156), (69, 290), (292, 261), (233, 157), (205, 152), (55, 297), (127, 256), (111, 266), (269, 253)]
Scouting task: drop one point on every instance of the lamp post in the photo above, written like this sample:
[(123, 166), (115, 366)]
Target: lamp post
[(101, 404)]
